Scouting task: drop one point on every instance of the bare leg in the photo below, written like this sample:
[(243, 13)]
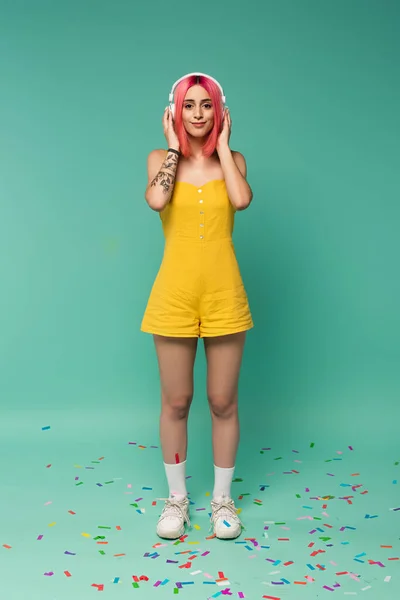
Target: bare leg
[(224, 357), (176, 358)]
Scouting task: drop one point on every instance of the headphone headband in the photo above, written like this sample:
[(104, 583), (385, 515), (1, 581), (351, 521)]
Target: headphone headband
[(171, 94)]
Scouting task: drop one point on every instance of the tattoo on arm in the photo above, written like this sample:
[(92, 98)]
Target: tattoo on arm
[(163, 178)]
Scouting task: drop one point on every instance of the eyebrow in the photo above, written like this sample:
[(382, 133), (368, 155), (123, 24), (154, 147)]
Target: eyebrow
[(191, 100)]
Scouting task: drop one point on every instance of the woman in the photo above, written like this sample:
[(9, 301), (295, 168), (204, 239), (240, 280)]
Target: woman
[(197, 185)]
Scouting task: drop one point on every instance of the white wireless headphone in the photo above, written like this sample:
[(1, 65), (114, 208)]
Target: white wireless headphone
[(171, 94)]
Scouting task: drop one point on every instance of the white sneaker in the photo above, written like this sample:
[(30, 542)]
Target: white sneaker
[(224, 519), (171, 524)]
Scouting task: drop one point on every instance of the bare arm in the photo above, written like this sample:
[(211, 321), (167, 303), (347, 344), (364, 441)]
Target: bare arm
[(161, 179)]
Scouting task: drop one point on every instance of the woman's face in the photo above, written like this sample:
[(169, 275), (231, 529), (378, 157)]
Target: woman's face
[(197, 108)]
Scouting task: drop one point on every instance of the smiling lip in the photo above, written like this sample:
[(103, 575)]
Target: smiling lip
[(197, 124)]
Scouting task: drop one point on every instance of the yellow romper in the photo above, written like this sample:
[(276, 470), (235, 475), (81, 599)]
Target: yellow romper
[(198, 291)]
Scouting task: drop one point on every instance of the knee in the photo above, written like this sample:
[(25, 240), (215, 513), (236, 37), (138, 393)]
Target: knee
[(177, 405), (222, 406)]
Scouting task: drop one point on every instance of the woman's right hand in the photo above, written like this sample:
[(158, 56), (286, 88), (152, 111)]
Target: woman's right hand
[(169, 130)]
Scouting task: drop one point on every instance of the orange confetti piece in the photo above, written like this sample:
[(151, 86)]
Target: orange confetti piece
[(7, 546)]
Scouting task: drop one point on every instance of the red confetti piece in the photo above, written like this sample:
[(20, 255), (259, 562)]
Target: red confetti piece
[(99, 586), (7, 546), (67, 573)]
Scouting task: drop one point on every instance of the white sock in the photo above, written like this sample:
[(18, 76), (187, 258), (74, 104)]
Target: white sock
[(222, 483), (176, 479)]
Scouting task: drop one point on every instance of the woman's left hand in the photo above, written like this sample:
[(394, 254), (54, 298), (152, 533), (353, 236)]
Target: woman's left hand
[(223, 138)]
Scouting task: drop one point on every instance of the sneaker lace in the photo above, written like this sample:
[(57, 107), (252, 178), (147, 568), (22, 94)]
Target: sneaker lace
[(222, 509), (175, 507)]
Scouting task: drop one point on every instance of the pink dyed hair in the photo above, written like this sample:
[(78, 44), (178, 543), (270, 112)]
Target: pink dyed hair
[(179, 96)]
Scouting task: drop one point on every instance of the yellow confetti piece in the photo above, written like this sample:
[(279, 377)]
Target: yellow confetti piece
[(207, 494), (196, 527), (193, 543), (78, 466), (239, 510), (86, 535), (51, 524)]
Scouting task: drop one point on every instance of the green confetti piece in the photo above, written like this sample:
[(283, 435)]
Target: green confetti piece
[(237, 480), (103, 527), (317, 518), (135, 505), (298, 496), (97, 462), (108, 482), (176, 591), (280, 523), (279, 458), (102, 552), (100, 537), (312, 445), (80, 483), (135, 584)]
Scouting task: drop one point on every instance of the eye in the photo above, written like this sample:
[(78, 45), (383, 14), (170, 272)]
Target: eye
[(189, 105)]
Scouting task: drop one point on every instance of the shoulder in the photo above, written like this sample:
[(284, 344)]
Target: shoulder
[(155, 160), (240, 162), (157, 153)]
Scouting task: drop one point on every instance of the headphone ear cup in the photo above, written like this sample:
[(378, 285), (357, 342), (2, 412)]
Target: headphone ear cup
[(173, 110)]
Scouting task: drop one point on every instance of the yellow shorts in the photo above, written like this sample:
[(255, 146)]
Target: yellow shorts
[(198, 292)]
